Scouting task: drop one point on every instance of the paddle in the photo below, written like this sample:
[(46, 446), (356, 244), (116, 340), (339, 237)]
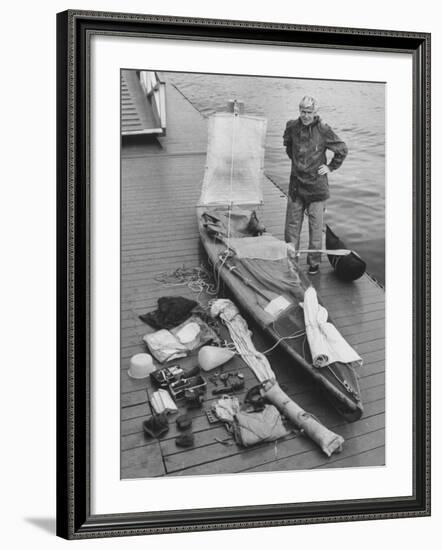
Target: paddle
[(337, 252)]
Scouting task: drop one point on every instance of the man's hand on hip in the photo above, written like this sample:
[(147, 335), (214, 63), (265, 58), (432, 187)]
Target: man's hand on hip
[(323, 169)]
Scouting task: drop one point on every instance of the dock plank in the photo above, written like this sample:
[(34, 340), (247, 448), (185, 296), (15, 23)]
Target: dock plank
[(333, 421), (364, 458), (142, 462), (309, 460), (294, 452), (134, 436)]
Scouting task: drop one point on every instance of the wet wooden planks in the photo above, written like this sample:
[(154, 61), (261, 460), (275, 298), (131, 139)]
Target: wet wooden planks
[(211, 453), (160, 187)]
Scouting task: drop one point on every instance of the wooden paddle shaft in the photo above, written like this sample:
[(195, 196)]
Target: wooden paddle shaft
[(337, 252)]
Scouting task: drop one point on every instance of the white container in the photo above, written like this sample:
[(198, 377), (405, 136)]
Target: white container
[(141, 365)]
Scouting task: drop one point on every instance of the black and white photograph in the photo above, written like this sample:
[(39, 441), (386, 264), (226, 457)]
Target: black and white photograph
[(253, 288), (221, 275)]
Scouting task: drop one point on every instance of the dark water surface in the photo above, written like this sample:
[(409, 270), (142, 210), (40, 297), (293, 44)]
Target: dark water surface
[(356, 112)]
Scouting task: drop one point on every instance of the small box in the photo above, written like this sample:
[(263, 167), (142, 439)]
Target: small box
[(162, 378), (178, 388)]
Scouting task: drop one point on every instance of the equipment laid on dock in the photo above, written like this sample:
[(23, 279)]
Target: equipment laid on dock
[(261, 271), (327, 440)]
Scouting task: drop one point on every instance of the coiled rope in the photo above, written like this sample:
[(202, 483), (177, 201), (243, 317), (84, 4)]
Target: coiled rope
[(197, 279)]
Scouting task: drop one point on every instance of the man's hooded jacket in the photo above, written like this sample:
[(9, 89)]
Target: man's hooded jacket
[(306, 147)]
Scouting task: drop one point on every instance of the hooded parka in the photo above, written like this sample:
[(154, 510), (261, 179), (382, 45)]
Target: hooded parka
[(306, 147)]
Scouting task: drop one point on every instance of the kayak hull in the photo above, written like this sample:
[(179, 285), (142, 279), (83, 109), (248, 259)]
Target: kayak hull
[(338, 381)]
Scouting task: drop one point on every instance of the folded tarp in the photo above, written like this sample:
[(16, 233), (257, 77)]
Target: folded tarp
[(168, 345), (164, 346)]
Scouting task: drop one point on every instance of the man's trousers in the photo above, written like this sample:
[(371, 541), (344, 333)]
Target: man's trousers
[(293, 225)]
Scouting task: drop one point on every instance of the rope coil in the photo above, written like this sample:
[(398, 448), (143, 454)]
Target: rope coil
[(197, 279)]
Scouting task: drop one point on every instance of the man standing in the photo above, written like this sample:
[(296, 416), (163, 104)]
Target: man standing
[(306, 141)]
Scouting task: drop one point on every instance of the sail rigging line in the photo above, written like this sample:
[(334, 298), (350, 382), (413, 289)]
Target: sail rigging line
[(293, 336), (232, 155), (296, 334), (217, 267)]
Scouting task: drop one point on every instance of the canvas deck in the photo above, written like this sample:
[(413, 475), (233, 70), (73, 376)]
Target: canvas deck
[(161, 183)]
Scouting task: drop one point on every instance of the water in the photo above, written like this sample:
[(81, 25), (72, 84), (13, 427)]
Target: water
[(355, 111)]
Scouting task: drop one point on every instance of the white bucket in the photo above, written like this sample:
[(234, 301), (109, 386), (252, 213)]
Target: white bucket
[(141, 365)]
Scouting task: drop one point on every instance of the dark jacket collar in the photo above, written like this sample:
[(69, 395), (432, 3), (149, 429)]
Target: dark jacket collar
[(315, 122)]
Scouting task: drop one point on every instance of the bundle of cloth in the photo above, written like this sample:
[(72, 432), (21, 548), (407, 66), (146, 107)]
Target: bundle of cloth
[(223, 223), (181, 329), (171, 311), (250, 428)]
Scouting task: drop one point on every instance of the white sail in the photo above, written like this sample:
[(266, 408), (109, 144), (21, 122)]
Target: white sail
[(235, 160)]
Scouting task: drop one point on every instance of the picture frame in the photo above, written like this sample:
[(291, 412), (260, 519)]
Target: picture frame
[(75, 406)]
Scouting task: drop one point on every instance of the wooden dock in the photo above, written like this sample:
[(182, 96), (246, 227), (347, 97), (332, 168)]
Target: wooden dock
[(161, 182)]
